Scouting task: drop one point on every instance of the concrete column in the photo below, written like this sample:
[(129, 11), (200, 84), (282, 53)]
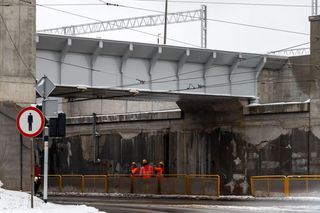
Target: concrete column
[(314, 119)]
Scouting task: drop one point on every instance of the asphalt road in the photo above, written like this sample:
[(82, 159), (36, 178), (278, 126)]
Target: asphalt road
[(157, 205)]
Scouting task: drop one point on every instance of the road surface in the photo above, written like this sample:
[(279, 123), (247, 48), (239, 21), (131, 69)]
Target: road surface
[(159, 205)]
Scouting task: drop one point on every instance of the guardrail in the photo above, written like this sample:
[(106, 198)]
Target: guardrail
[(302, 185), (275, 185), (173, 184), (280, 185)]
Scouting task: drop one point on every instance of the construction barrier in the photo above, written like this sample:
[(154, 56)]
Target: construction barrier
[(173, 184), (278, 185), (303, 185), (269, 186)]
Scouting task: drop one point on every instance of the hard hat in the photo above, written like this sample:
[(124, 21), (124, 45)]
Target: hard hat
[(161, 163), (133, 163), (144, 161)]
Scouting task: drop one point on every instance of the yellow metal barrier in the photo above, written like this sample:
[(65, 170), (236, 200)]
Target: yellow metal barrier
[(72, 183), (302, 185), (274, 185), (54, 183), (124, 183), (95, 183), (204, 185), (173, 184)]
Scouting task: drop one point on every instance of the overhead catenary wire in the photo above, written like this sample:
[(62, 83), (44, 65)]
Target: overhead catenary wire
[(189, 2), (93, 19), (209, 19)]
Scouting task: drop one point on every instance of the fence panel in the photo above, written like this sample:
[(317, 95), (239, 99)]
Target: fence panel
[(122, 183), (204, 185), (145, 185), (173, 184), (263, 186), (119, 184), (95, 183), (54, 183), (304, 185), (72, 183)]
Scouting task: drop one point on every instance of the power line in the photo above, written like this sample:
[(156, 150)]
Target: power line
[(86, 17), (232, 3), (259, 27), (192, 2), (209, 19), (16, 48)]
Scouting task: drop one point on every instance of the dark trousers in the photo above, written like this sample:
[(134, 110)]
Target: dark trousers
[(37, 184)]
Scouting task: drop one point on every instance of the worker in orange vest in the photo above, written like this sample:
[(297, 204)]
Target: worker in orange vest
[(160, 169), (134, 170), (146, 170)]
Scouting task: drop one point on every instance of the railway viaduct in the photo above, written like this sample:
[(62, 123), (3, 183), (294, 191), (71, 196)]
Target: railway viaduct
[(195, 109)]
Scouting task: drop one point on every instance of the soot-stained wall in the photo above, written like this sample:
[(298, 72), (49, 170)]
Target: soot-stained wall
[(218, 151)]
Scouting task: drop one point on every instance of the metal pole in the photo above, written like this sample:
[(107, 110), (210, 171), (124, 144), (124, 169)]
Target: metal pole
[(45, 169), (32, 171), (165, 23), (21, 170), (204, 26), (94, 132)]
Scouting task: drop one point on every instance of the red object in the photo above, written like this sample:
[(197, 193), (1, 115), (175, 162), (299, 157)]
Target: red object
[(23, 132), (159, 170), (37, 171), (146, 171), (134, 170)]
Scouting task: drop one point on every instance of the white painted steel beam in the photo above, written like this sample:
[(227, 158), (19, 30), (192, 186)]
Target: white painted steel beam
[(93, 60), (257, 73), (235, 65), (183, 59), (206, 67), (233, 68), (63, 55), (153, 62), (124, 59)]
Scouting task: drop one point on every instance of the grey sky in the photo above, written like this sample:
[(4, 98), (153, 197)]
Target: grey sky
[(221, 36)]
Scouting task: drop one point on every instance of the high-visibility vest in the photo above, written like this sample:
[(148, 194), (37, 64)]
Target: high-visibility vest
[(134, 170), (146, 171), (159, 170)]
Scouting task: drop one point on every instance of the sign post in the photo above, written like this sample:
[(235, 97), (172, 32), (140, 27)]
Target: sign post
[(30, 123), (44, 87)]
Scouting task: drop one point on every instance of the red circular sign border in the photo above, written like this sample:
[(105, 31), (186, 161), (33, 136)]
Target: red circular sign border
[(42, 122)]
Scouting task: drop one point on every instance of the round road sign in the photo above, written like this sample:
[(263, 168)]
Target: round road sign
[(30, 122)]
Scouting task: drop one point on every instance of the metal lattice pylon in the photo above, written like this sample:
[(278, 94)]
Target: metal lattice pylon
[(314, 7), (136, 22)]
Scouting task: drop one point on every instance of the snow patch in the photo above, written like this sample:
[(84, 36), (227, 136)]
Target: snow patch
[(19, 202)]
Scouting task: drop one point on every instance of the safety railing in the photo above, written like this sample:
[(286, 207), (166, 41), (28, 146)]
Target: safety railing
[(269, 186), (303, 185), (173, 184), (278, 185)]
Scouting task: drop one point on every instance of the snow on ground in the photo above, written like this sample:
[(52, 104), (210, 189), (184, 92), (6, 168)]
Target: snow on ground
[(19, 202)]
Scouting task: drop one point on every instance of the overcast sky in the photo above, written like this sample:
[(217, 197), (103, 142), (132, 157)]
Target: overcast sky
[(221, 36)]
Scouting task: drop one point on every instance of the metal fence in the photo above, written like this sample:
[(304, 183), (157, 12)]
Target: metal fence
[(303, 185), (293, 185), (265, 186), (173, 184)]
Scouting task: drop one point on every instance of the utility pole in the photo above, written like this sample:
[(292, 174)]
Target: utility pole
[(165, 23), (314, 7)]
